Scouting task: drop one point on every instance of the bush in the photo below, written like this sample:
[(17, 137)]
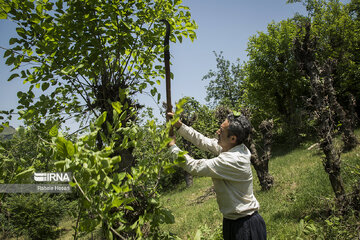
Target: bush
[(34, 215)]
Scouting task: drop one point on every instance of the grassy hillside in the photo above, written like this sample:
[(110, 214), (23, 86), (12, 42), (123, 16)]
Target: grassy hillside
[(299, 205)]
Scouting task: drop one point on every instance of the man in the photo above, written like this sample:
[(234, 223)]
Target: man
[(231, 175)]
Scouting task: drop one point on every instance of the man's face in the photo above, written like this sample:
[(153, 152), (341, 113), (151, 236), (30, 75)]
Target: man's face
[(224, 140)]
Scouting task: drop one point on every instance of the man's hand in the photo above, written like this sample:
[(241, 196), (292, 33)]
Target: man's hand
[(173, 142), (178, 123)]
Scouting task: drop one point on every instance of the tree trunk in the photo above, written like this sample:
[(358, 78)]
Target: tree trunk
[(349, 138), (188, 179), (262, 165), (323, 104)]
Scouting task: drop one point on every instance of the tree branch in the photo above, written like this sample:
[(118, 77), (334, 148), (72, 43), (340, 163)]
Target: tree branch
[(89, 200)]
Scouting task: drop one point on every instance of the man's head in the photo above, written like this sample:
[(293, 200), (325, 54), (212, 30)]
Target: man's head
[(233, 131)]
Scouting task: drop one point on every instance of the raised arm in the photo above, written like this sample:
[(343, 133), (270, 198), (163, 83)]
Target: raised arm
[(199, 140), (196, 138)]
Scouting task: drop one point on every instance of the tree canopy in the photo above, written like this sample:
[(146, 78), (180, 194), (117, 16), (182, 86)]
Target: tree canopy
[(83, 55)]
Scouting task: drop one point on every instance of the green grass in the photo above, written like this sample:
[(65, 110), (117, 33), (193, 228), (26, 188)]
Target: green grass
[(302, 190), (190, 212)]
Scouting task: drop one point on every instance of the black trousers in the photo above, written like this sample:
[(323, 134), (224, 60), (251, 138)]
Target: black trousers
[(247, 228)]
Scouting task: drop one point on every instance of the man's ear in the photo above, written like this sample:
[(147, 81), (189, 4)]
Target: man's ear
[(233, 139)]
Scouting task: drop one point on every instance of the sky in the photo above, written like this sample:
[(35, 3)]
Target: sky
[(223, 26)]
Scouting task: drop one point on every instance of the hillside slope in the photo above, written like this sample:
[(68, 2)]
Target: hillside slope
[(299, 205)]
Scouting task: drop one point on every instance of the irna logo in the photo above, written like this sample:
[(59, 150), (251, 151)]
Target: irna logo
[(52, 177)]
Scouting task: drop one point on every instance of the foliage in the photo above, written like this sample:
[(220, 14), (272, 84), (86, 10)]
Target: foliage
[(337, 34), (273, 73), (274, 85), (226, 85), (126, 203), (82, 53), (34, 215), (333, 227), (22, 155)]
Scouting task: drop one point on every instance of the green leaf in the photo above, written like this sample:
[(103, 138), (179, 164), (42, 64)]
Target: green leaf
[(117, 106), (115, 159), (13, 76), (7, 53), (10, 60), (116, 188), (12, 41), (129, 208), (72, 184), (198, 235), (3, 15), (5, 8), (116, 202), (153, 91), (100, 120), (93, 183), (70, 148), (53, 131), (109, 235), (179, 37), (121, 176), (60, 164), (25, 173), (61, 146), (105, 163), (45, 86)]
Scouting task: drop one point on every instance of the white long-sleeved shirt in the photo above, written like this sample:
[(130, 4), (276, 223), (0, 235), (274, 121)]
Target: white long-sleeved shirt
[(230, 172)]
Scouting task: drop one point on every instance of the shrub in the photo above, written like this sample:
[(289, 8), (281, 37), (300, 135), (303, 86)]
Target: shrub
[(35, 215)]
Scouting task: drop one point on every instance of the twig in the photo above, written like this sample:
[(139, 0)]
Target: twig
[(80, 129), (77, 222), (102, 218)]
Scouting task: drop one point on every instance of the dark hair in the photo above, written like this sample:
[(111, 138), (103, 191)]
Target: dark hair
[(239, 126)]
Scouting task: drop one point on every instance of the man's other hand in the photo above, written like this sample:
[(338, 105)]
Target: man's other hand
[(172, 142), (178, 123)]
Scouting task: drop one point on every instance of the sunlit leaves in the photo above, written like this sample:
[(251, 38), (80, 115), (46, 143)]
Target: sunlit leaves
[(81, 42), (117, 106), (96, 170), (53, 131), (273, 74), (226, 84), (101, 119)]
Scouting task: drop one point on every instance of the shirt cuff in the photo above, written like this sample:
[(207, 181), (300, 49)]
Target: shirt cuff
[(174, 149)]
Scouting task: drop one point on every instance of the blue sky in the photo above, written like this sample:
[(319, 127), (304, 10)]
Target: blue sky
[(224, 25)]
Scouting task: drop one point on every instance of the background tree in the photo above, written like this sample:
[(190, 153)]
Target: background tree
[(319, 75), (316, 51), (31, 215), (225, 85), (337, 27), (273, 84)]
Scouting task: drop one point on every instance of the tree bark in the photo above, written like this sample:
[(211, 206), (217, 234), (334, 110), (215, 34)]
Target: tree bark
[(261, 165), (349, 138), (322, 104)]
